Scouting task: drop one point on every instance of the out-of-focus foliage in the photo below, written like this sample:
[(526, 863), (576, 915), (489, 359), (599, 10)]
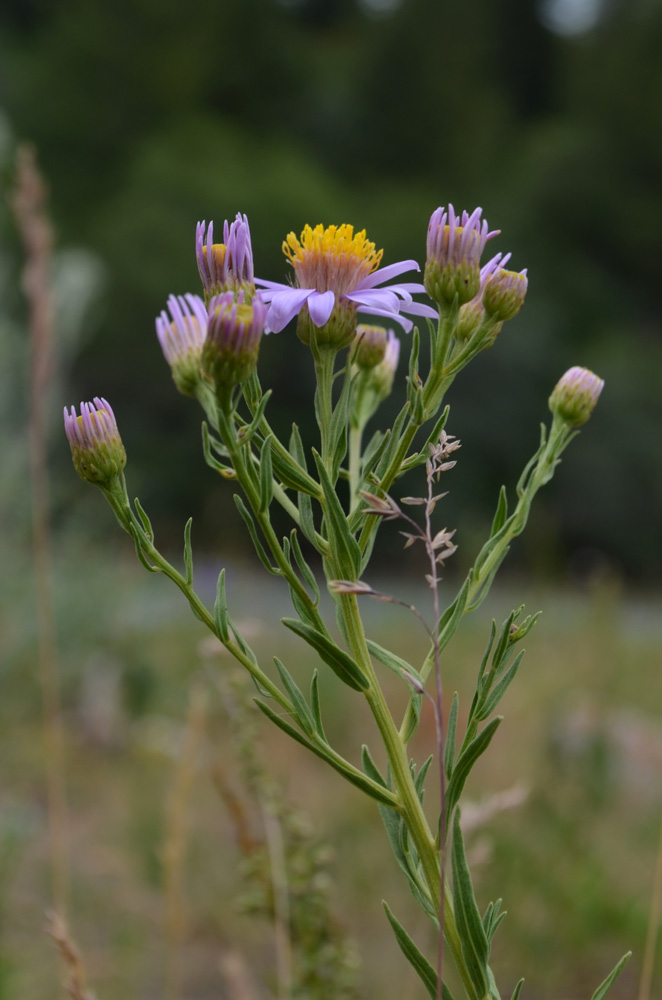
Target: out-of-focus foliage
[(151, 115)]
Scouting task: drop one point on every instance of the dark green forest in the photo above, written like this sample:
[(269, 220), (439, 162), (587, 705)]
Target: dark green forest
[(149, 115)]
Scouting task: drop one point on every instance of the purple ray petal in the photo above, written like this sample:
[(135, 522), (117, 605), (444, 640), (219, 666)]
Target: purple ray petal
[(320, 307), (418, 309), (382, 298), (285, 305), (386, 273), (405, 323)]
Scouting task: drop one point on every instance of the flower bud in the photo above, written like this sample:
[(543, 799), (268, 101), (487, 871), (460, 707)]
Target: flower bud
[(369, 345), (454, 248), (338, 331), (96, 446), (226, 266), (234, 331), (575, 396), (504, 293), (181, 336), (384, 373)]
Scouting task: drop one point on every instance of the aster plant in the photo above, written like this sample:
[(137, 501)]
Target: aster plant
[(338, 494)]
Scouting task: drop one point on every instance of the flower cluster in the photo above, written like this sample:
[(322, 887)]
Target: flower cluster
[(337, 275)]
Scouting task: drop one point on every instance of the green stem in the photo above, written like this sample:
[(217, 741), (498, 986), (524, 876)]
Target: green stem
[(355, 440), (559, 437), (246, 476), (410, 808), (324, 358)]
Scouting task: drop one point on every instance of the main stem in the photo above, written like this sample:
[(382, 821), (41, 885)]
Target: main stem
[(411, 808)]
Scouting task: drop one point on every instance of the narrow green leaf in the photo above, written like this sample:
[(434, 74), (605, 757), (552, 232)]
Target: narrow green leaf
[(315, 705), (188, 552), (146, 523), (139, 550), (252, 531), (517, 990), (435, 434), (338, 426), (497, 694), (254, 425), (486, 655), (393, 662), (354, 777), (475, 946), (502, 642), (450, 619), (420, 778), (466, 761), (374, 451), (306, 571), (302, 712), (501, 512), (340, 662), (606, 985), (343, 544), (393, 442), (207, 444), (451, 730), (416, 959), (266, 475), (303, 610), (413, 354), (370, 767), (221, 620)]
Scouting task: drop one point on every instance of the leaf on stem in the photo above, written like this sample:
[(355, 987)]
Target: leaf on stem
[(606, 985), (221, 618), (416, 959), (466, 761), (475, 946), (266, 475), (451, 729), (340, 662), (252, 531), (343, 545), (188, 552), (302, 712)]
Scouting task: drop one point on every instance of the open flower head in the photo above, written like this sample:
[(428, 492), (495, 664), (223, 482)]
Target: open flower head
[(226, 266), (181, 335), (575, 396), (235, 328), (455, 244), (337, 275), (96, 446)]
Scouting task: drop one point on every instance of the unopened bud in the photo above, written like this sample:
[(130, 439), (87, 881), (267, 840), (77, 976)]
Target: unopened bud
[(181, 335), (575, 396), (234, 331), (370, 345), (504, 294), (96, 446)]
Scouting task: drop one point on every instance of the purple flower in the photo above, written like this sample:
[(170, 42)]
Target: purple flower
[(96, 446), (226, 266), (181, 335), (455, 244), (337, 275), (472, 313), (236, 325)]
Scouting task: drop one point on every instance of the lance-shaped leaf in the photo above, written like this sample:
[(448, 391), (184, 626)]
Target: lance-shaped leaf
[(306, 571), (345, 548), (466, 761), (266, 475), (451, 730), (252, 531), (475, 946), (416, 959), (340, 662), (350, 773), (188, 552), (606, 985), (302, 712), (146, 523), (497, 694), (315, 705), (221, 617)]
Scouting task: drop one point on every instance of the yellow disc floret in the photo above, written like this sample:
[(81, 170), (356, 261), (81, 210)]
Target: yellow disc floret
[(332, 258)]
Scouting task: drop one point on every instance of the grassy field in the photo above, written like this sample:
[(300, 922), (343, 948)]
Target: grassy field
[(161, 876)]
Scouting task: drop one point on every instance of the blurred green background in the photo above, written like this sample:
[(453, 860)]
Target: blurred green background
[(149, 115)]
